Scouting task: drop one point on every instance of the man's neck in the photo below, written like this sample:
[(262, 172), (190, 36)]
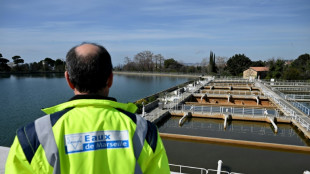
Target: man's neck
[(104, 92)]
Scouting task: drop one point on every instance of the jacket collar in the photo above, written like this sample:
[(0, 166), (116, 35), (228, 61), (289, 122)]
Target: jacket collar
[(92, 96), (91, 100)]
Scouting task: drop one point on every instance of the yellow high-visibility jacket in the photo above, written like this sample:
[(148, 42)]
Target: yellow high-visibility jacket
[(88, 134)]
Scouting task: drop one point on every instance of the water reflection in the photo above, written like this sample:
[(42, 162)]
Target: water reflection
[(238, 130), (32, 75), (235, 159), (24, 95)]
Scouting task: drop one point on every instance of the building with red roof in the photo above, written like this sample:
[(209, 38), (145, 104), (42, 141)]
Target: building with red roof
[(255, 72)]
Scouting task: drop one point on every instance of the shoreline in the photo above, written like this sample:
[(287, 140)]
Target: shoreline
[(156, 74)]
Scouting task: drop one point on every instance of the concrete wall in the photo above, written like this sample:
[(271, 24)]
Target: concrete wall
[(151, 106), (249, 73), (4, 151)]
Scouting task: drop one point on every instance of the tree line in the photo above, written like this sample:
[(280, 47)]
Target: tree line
[(296, 69), (18, 65)]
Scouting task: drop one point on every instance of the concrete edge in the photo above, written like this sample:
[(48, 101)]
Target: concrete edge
[(4, 151)]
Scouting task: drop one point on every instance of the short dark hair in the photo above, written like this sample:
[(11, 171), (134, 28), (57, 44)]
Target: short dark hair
[(89, 73)]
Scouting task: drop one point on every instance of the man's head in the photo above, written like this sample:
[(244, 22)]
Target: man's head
[(89, 68)]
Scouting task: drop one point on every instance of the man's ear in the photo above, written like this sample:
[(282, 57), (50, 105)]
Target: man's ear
[(68, 80), (110, 80)]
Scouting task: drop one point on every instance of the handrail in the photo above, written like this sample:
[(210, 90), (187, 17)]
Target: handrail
[(288, 81), (288, 97), (293, 88), (203, 170), (288, 110), (218, 92), (257, 112)]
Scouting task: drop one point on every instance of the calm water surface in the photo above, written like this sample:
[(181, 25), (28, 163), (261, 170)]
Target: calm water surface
[(237, 130), (23, 96), (235, 158)]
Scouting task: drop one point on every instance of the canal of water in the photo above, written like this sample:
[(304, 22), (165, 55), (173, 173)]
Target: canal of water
[(236, 159)]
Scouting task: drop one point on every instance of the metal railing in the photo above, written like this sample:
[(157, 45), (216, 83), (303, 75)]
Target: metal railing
[(232, 92), (295, 96), (302, 107), (304, 123), (211, 110), (201, 170), (233, 80), (288, 83), (287, 109), (292, 89), (243, 84), (293, 101)]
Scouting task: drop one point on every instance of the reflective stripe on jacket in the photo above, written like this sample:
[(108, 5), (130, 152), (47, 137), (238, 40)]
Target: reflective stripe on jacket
[(88, 134)]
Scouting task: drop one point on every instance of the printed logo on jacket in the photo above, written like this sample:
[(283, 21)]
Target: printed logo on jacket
[(91, 141)]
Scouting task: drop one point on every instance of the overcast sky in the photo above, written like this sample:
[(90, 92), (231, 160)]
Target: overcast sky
[(186, 30)]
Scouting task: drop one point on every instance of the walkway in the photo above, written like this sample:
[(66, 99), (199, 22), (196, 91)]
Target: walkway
[(298, 117)]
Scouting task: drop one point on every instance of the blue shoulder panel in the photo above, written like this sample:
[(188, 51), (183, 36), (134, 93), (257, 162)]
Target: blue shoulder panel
[(129, 114), (151, 135), (55, 116), (28, 140)]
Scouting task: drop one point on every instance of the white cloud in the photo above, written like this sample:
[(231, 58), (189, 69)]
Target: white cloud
[(175, 28)]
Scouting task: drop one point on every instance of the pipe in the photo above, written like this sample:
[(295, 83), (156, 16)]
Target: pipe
[(225, 120), (219, 166), (143, 110), (204, 96), (257, 100), (274, 125), (183, 119), (229, 96)]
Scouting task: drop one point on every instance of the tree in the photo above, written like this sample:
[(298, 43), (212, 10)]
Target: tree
[(276, 68), (292, 74), (237, 64), (129, 65), (144, 61), (48, 64), (3, 64), (212, 67), (302, 61), (159, 59), (258, 63), (172, 65), (279, 68), (17, 60), (303, 64), (59, 65), (221, 64), (3, 60), (203, 65), (35, 67)]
